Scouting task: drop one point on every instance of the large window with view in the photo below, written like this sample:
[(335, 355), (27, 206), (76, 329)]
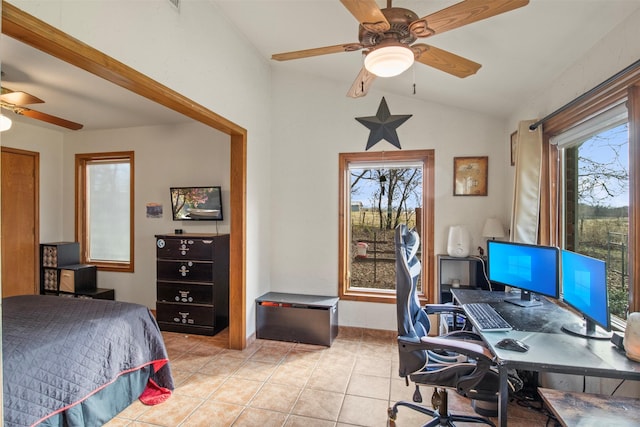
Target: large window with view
[(595, 159), (378, 192), (104, 218)]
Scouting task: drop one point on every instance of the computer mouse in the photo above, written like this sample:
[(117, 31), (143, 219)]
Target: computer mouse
[(513, 345)]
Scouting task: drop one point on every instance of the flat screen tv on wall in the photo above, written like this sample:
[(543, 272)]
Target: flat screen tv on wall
[(196, 203)]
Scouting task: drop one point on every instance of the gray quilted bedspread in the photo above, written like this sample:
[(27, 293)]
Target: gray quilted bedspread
[(57, 351)]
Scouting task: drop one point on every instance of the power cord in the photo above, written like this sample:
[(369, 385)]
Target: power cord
[(617, 387), (484, 270)]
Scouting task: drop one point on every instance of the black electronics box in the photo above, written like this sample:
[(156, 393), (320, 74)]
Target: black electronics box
[(78, 278)]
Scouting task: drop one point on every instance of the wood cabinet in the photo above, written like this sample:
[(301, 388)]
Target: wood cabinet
[(62, 274), (468, 272), (192, 283)]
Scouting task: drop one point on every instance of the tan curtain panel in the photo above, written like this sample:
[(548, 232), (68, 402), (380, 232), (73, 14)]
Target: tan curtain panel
[(526, 194)]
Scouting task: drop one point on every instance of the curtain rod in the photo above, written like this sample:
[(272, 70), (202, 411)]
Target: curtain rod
[(615, 77)]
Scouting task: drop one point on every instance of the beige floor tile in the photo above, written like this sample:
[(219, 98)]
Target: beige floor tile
[(364, 411), (320, 404), (208, 348), (298, 421), (334, 379), (190, 362), (337, 360), (369, 386), (118, 422), (254, 370), (291, 374), (222, 364), (200, 385), (180, 376), (237, 391), (306, 385), (377, 350), (379, 367), (253, 417), (270, 354), (298, 356), (172, 412), (214, 414), (276, 397)]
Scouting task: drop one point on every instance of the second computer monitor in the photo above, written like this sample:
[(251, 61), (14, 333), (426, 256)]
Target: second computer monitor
[(584, 287), (534, 269)]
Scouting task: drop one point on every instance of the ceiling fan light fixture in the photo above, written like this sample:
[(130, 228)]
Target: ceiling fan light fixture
[(389, 61), (5, 123)]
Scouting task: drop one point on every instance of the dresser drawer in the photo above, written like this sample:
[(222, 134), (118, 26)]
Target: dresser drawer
[(185, 293), (185, 314), (193, 271), (185, 248)]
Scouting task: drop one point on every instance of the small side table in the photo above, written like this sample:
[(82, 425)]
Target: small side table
[(591, 410)]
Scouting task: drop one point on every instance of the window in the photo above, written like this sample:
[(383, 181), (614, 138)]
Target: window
[(104, 203), (378, 191), (595, 165)]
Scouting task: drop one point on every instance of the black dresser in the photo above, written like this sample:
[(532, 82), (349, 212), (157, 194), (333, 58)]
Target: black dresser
[(192, 283)]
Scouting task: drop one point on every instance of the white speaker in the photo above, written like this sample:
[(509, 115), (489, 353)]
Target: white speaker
[(459, 243)]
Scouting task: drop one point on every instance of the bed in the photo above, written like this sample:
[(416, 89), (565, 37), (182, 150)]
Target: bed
[(78, 362)]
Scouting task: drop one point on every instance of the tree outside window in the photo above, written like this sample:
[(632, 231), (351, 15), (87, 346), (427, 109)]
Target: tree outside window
[(378, 194), (597, 207)]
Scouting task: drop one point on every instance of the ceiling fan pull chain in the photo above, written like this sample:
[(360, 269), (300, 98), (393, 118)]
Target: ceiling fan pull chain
[(414, 78)]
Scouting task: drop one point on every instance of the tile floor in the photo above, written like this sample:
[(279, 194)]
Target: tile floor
[(273, 383)]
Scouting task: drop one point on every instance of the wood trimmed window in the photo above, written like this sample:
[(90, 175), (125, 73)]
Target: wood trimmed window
[(419, 213), (624, 88), (105, 209)]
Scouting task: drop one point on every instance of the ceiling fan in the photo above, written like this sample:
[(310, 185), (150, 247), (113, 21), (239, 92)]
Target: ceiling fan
[(387, 36), (15, 101)]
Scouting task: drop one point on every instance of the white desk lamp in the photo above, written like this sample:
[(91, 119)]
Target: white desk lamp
[(492, 229)]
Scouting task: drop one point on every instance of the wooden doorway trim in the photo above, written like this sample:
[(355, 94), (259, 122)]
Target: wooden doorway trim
[(21, 178), (42, 36)]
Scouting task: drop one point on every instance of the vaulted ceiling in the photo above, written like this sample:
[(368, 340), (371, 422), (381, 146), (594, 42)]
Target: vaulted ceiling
[(521, 52)]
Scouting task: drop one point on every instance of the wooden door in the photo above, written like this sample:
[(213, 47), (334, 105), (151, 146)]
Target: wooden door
[(20, 220)]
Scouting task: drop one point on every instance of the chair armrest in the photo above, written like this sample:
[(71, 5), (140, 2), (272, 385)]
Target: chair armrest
[(443, 308), (469, 349)]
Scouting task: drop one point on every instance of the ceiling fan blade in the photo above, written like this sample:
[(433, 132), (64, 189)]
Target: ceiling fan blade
[(469, 11), (19, 98), (361, 84), (298, 54), (48, 118), (368, 14), (445, 61)]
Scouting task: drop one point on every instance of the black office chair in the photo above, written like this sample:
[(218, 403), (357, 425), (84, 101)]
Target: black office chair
[(456, 360)]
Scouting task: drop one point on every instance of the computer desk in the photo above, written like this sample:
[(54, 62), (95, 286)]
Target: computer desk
[(551, 349)]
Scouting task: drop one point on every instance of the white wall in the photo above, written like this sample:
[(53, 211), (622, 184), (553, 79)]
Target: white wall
[(165, 156), (49, 144), (197, 53), (315, 122), (616, 51), (613, 53)]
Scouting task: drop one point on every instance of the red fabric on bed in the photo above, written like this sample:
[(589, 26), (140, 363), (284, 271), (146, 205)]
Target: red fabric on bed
[(153, 394)]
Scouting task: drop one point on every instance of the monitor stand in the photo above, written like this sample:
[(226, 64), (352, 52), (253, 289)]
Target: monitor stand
[(526, 299), (587, 330)]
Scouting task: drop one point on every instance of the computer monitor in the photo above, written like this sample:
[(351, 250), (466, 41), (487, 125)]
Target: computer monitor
[(534, 269), (584, 287)]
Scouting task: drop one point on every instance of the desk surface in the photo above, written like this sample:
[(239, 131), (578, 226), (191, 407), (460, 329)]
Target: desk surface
[(592, 410), (551, 349)]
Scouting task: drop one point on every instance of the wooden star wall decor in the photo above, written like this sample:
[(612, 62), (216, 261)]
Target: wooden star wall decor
[(383, 125)]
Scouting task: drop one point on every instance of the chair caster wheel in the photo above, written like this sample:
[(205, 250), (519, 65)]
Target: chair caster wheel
[(392, 413)]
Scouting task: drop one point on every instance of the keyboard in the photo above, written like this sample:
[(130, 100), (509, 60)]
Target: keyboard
[(485, 318)]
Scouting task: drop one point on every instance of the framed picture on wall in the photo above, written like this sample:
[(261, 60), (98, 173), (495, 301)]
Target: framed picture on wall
[(513, 141), (470, 175)]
